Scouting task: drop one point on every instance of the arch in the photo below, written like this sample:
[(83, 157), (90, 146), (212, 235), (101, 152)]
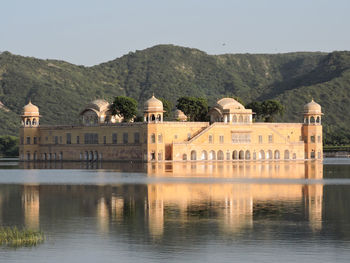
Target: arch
[(34, 121), (28, 156), (228, 156), (240, 118), (159, 117), (91, 156), (204, 155), (286, 155), (247, 155), (193, 155), (60, 156), (241, 155), (45, 156), (212, 155), (86, 156), (246, 118), (96, 155), (312, 119), (234, 155), (35, 156), (81, 156), (153, 118), (318, 120), (262, 155), (269, 155), (234, 118), (28, 122), (220, 155), (277, 155), (153, 138), (184, 157)]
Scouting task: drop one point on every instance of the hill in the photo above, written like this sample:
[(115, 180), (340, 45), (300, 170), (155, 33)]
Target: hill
[(62, 89)]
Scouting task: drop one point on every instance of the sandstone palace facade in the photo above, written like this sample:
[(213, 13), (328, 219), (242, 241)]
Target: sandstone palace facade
[(230, 135)]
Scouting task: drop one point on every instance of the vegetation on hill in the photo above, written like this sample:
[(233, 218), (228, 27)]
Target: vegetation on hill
[(61, 89)]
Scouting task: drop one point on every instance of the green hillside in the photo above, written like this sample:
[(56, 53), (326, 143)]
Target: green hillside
[(62, 89)]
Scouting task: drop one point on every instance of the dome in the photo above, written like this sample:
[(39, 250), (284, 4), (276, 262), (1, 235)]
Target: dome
[(179, 115), (153, 104), (312, 107), (98, 105), (30, 110), (229, 103)]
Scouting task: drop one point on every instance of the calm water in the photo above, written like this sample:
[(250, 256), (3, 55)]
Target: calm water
[(204, 212)]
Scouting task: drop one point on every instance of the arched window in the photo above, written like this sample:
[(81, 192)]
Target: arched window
[(153, 118), (160, 138), (204, 155), (159, 117), (247, 155), (86, 156), (277, 154), (220, 155), (262, 155), (96, 155), (241, 155), (234, 118), (269, 155), (28, 122), (286, 155), (184, 157), (91, 156), (318, 119), (34, 121), (193, 155), (153, 138), (240, 119), (212, 155), (60, 156), (312, 120), (234, 155)]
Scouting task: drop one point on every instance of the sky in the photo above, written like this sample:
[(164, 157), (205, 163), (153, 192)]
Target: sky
[(87, 32)]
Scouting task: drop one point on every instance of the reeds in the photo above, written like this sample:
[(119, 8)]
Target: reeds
[(14, 237)]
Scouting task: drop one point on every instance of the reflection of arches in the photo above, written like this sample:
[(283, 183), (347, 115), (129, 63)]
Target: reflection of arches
[(241, 155), (220, 155), (277, 154), (193, 155), (286, 155), (234, 155), (262, 155), (247, 155), (212, 155), (184, 157), (312, 119), (269, 154), (204, 155)]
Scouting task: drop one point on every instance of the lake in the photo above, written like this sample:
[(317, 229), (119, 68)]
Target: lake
[(170, 212)]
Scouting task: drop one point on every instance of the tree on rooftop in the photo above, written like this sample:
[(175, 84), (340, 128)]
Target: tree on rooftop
[(196, 109), (125, 107)]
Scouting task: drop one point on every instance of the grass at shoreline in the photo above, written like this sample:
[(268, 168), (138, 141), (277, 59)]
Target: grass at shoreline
[(14, 237)]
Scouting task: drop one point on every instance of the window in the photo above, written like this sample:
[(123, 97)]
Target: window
[(104, 139), (153, 138), (270, 138), (56, 139), (125, 137), (210, 138), (241, 138), (91, 138), (34, 140), (28, 140), (312, 138), (318, 138), (22, 140), (69, 138), (260, 139), (160, 138), (78, 140), (114, 138), (136, 137), (221, 138)]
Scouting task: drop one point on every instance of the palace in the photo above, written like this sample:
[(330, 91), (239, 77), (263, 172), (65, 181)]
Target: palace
[(230, 135)]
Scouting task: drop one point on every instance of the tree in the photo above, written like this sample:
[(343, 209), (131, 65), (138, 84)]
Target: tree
[(196, 109), (8, 146), (125, 107), (167, 107), (266, 110)]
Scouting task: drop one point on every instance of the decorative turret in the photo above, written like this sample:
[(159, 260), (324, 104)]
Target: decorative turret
[(30, 116), (153, 110), (180, 116), (312, 130)]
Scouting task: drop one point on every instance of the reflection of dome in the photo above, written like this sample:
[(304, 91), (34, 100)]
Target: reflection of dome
[(30, 110), (153, 104), (98, 105), (179, 115), (229, 103), (312, 107)]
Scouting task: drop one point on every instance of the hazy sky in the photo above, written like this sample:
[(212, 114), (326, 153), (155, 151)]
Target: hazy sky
[(90, 32)]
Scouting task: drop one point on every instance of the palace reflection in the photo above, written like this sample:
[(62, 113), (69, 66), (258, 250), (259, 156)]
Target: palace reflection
[(232, 206)]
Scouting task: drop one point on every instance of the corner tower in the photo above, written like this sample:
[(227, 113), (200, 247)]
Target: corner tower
[(29, 133), (153, 110), (312, 131)]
